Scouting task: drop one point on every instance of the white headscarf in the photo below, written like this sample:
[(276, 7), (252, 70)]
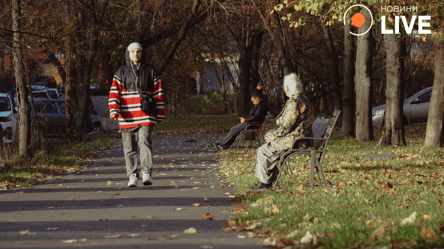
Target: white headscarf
[(293, 83), (134, 45)]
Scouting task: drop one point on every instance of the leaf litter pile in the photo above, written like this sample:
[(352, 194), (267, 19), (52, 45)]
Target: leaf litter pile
[(380, 203), (47, 166)]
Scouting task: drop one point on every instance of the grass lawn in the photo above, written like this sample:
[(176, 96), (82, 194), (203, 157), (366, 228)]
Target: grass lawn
[(64, 157), (367, 205)]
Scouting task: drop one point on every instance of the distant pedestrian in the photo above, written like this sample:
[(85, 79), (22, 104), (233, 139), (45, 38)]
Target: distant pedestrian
[(136, 100)]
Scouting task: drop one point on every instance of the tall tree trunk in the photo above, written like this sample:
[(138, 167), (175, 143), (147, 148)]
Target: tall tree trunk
[(87, 67), (434, 131), (393, 131), (363, 79), (334, 67), (249, 67), (244, 69), (24, 108), (70, 79), (255, 77), (348, 104)]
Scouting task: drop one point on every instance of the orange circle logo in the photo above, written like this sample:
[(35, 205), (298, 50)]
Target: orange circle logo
[(358, 20)]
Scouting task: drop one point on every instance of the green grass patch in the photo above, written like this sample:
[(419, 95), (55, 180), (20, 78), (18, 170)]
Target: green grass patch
[(367, 203), (63, 157)]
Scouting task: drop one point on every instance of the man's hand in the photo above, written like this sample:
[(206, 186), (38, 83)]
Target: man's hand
[(242, 120), (115, 116)]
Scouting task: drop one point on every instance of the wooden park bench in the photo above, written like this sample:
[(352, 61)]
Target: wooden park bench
[(317, 153)]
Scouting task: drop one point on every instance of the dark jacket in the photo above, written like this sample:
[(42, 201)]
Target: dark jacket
[(125, 100), (257, 114)]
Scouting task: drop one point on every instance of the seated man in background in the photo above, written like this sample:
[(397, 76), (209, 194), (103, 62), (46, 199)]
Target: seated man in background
[(255, 119)]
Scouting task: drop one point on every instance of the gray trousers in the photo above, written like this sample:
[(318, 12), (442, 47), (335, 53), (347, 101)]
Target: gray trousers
[(139, 138), (228, 140), (267, 158)]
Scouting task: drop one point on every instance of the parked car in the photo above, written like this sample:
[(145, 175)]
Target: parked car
[(47, 93), (42, 82), (52, 113), (416, 109), (8, 117)]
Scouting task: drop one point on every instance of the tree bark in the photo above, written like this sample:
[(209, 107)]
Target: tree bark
[(393, 130), (278, 36), (24, 129), (87, 67), (186, 26), (334, 67), (72, 77), (244, 69), (363, 79), (434, 131), (255, 77), (348, 104)]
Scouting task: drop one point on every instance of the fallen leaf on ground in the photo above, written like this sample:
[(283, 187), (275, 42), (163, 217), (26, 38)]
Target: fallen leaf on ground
[(232, 223), (190, 230), (378, 234), (427, 233), (197, 204), (207, 216), (23, 208), (131, 216), (114, 236), (70, 241), (150, 217), (308, 238)]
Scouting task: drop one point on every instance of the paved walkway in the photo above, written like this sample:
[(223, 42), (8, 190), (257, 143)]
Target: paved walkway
[(94, 208)]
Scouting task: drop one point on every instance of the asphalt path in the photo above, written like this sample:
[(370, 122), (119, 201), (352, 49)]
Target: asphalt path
[(94, 208)]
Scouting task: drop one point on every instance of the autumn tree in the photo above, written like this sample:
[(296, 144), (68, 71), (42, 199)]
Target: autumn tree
[(435, 126), (24, 128)]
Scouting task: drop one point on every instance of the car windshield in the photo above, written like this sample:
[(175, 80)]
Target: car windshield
[(4, 104), (46, 107), (40, 95), (52, 94)]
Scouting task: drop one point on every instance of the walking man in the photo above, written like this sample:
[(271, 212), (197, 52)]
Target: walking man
[(134, 82)]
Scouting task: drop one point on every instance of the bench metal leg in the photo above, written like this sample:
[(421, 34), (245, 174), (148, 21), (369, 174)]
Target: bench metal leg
[(322, 174), (280, 166), (312, 166), (289, 169), (239, 139)]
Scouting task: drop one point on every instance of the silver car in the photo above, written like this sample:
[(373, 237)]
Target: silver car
[(8, 117), (52, 113), (416, 109)]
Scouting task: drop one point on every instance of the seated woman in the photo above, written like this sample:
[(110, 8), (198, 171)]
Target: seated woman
[(255, 118), (294, 122)]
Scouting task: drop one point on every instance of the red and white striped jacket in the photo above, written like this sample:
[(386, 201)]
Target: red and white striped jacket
[(125, 101)]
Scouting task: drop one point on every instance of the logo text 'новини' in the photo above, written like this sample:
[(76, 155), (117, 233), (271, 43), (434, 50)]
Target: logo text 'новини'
[(358, 20)]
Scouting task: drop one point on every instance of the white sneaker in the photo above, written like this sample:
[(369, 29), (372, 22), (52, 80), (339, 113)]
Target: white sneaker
[(146, 179), (133, 180)]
